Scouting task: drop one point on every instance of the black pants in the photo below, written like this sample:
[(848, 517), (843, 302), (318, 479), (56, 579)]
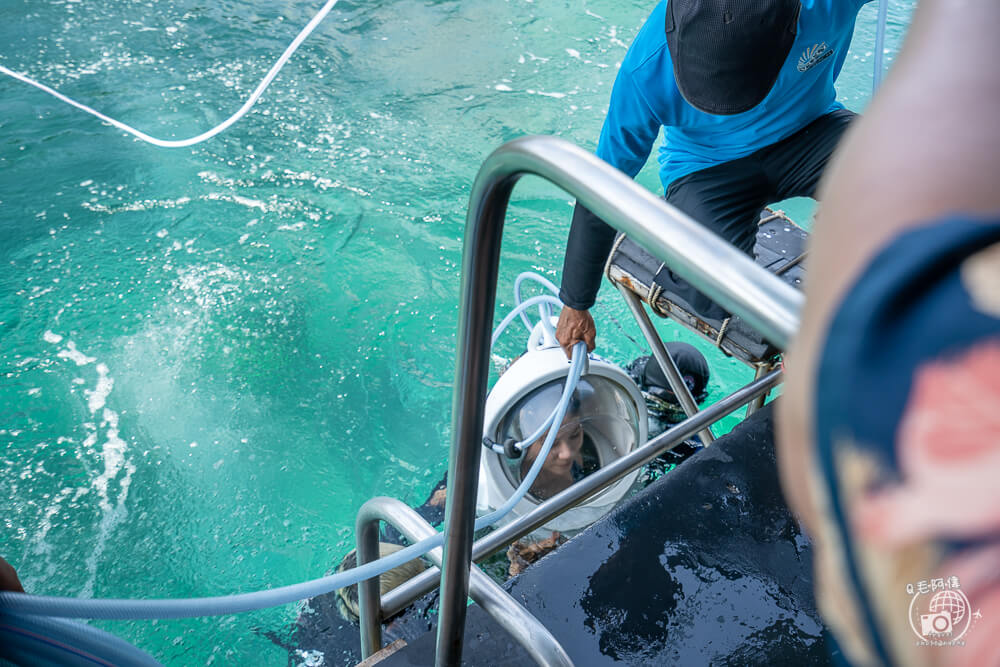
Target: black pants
[(728, 198)]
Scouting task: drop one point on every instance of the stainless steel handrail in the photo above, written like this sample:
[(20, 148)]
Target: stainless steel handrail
[(708, 263), (515, 619), (400, 597)]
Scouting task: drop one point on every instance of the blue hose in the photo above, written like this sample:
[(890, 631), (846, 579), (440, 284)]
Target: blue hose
[(519, 310), (541, 280), (36, 640)]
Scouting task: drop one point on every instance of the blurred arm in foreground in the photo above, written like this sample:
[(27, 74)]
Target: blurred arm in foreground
[(889, 432), (8, 578)]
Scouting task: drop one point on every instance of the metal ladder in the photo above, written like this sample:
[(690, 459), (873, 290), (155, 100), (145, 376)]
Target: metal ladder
[(707, 262)]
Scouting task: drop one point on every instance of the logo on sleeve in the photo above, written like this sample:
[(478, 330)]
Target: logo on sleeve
[(813, 56)]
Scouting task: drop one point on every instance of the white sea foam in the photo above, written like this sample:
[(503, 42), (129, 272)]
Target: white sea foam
[(251, 203), (112, 461), (141, 205), (113, 453), (39, 546), (311, 658), (98, 397), (75, 355)]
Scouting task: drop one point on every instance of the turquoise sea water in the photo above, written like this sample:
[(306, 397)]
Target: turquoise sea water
[(211, 357)]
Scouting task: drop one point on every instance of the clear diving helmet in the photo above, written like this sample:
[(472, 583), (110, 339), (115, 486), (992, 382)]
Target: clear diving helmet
[(605, 420)]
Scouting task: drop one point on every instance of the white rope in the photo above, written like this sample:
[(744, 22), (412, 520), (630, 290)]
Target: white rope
[(722, 334), (180, 143)]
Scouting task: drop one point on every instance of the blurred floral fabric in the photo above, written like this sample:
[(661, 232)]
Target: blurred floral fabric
[(907, 436)]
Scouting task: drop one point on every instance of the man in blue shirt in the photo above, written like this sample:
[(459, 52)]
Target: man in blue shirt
[(744, 90)]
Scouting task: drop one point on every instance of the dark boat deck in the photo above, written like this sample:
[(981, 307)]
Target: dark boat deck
[(705, 566)]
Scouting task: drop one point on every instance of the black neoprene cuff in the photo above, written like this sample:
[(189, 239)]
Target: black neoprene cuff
[(590, 241)]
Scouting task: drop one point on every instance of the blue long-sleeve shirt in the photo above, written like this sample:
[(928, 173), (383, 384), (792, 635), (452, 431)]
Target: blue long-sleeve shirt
[(645, 98)]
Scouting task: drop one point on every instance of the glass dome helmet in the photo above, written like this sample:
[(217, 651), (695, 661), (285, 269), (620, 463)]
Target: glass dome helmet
[(597, 428), (605, 420)]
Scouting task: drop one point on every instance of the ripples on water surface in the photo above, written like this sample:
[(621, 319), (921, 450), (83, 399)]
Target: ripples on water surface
[(212, 356)]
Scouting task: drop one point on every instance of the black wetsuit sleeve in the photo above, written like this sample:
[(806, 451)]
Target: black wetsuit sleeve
[(628, 134), (590, 241)]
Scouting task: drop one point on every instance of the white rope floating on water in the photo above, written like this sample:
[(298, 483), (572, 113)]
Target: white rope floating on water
[(204, 136)]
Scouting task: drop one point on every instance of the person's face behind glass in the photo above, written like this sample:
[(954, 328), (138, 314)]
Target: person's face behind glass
[(557, 471)]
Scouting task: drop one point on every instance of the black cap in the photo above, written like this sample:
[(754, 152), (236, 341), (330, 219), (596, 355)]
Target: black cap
[(727, 53), (692, 366)]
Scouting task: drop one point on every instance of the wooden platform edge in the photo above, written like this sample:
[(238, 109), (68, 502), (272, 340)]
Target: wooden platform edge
[(382, 654)]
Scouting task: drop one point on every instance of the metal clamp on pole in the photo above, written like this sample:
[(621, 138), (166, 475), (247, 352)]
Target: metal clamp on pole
[(514, 618)]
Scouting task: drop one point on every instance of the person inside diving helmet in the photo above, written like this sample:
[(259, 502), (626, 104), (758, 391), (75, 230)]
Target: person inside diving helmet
[(563, 465), (573, 454)]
